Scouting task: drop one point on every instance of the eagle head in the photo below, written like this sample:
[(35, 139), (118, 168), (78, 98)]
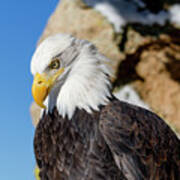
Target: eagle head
[(69, 73)]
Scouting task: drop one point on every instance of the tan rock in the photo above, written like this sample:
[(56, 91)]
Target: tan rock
[(35, 113), (153, 67)]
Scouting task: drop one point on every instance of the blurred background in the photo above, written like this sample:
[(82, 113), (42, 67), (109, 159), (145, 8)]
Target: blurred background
[(141, 37)]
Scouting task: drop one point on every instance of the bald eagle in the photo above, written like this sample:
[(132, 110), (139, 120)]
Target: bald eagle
[(85, 133)]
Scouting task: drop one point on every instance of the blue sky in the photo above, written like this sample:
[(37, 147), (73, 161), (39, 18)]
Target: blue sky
[(21, 24)]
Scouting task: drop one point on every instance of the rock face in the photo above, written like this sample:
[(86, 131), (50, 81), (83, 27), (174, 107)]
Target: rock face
[(153, 68), (35, 111), (146, 57), (159, 66)]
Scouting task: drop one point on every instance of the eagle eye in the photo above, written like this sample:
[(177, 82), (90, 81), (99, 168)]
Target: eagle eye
[(55, 64)]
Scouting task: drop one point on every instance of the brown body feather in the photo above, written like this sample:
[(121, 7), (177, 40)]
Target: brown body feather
[(121, 141)]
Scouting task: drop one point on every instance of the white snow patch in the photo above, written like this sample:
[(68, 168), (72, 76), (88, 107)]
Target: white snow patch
[(175, 14), (121, 12), (140, 3), (112, 15), (128, 94)]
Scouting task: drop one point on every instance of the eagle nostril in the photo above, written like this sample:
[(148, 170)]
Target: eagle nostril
[(39, 82)]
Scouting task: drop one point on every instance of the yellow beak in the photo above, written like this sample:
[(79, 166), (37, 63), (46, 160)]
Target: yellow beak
[(42, 86)]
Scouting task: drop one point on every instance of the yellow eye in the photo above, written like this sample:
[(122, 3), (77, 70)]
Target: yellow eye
[(55, 64)]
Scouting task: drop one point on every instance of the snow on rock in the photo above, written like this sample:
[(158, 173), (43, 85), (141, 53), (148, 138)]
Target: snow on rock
[(121, 12), (128, 94), (140, 3), (112, 15), (175, 14)]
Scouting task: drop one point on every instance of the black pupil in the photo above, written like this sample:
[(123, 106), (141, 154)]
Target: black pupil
[(54, 65)]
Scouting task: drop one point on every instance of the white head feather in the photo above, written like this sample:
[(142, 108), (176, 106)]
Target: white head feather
[(84, 83)]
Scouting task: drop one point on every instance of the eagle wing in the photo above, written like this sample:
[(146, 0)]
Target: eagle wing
[(143, 146)]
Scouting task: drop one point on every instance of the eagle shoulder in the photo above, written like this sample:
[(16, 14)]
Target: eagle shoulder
[(142, 144)]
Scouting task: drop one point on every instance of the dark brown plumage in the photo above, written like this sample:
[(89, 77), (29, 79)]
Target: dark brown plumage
[(121, 141)]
